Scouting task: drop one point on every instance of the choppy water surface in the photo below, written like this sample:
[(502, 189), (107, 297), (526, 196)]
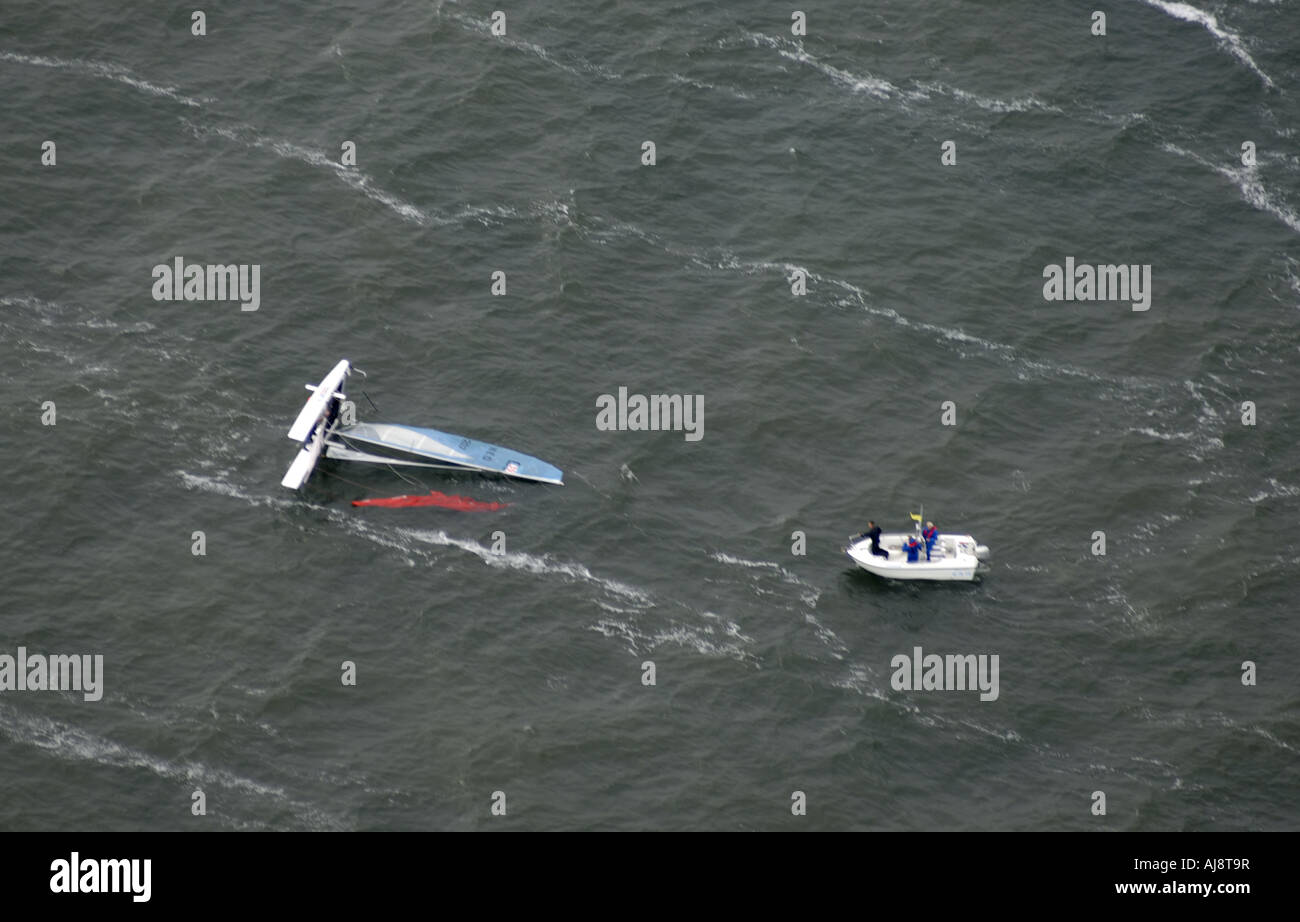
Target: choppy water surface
[(521, 672)]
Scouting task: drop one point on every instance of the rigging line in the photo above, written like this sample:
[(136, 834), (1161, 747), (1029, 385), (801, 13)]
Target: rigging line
[(362, 486), (344, 479), (408, 479)]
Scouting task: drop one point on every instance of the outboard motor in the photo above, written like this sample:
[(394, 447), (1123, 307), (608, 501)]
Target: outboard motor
[(982, 551)]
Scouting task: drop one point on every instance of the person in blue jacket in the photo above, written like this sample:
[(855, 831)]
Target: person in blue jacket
[(913, 548), (930, 535)]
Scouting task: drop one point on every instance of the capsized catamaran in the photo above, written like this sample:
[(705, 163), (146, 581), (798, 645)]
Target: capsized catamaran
[(319, 431), (954, 557)]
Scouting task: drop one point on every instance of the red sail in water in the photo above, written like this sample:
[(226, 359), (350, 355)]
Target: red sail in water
[(433, 499)]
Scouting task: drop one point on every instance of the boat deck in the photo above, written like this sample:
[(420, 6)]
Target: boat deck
[(952, 558), (946, 546)]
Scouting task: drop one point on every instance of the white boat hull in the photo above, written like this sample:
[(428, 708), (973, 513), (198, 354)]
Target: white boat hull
[(319, 401), (955, 558), (304, 462), (309, 427)]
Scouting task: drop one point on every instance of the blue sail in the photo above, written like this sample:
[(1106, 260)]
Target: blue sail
[(415, 445)]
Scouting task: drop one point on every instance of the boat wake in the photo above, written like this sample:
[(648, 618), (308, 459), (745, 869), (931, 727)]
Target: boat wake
[(539, 564), (727, 641), (808, 593), (626, 606)]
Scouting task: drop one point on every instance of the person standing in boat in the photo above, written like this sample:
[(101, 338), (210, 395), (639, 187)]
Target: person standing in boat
[(913, 548), (930, 535), (873, 532)]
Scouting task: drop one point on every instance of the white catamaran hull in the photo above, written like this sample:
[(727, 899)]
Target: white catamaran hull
[(318, 403), (314, 423), (955, 558), (304, 462)]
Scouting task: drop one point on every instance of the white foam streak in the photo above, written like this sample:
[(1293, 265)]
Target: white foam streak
[(223, 488), (992, 104), (531, 563), (1248, 182), (107, 72), (810, 593), (883, 89), (32, 302), (351, 176), (794, 51), (71, 743), (537, 51), (1227, 38), (702, 85), (1276, 490), (400, 539), (363, 183), (640, 642)]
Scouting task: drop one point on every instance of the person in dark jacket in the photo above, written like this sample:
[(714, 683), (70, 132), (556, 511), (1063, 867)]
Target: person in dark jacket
[(913, 548), (930, 535), (873, 532)]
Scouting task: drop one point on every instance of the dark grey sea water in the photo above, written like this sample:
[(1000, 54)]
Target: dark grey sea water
[(521, 672)]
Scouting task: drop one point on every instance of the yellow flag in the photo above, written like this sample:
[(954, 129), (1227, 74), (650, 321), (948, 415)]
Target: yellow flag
[(915, 517)]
